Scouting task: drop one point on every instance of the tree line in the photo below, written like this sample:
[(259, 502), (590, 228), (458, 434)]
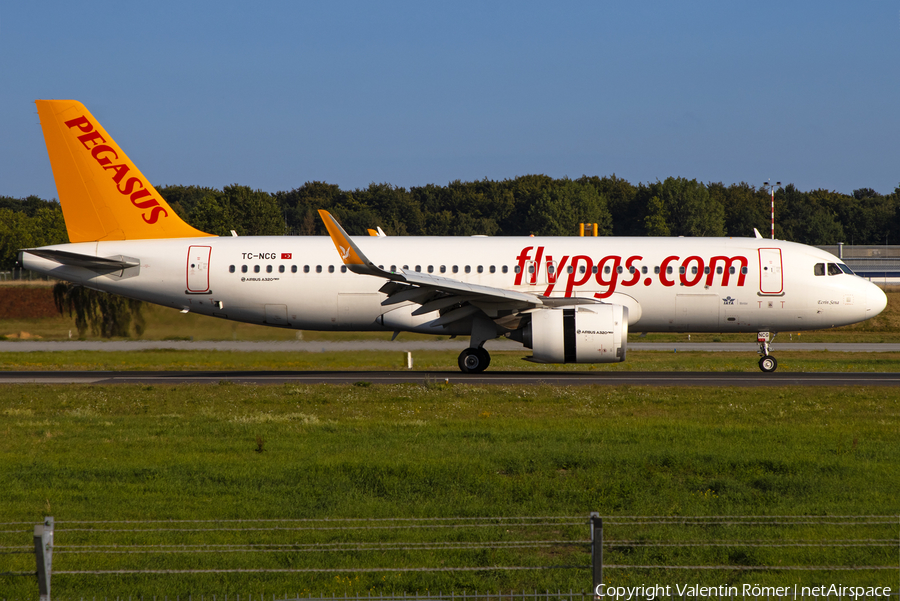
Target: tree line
[(530, 204)]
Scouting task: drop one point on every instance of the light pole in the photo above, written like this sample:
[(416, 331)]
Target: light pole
[(771, 189)]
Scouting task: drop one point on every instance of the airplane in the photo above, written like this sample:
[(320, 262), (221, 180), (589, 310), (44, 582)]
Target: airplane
[(568, 299)]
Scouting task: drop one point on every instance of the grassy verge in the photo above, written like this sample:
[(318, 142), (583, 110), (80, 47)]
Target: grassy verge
[(189, 360), (365, 452)]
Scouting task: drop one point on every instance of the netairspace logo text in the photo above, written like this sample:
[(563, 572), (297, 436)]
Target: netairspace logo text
[(649, 592)]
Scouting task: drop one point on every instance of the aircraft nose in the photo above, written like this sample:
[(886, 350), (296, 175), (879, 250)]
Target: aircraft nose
[(876, 301)]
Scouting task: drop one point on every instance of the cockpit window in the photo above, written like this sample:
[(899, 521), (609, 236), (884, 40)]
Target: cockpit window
[(819, 269), (833, 269), (845, 269)]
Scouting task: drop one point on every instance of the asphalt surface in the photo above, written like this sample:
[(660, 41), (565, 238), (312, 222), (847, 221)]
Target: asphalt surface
[(321, 346), (558, 378), (454, 377)]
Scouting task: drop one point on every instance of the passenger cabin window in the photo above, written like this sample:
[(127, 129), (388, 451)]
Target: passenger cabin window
[(306, 269), (318, 269), (293, 269), (331, 269), (443, 269), (455, 269), (833, 269), (492, 269), (343, 269), (819, 269), (231, 269), (468, 269), (256, 269), (505, 269), (243, 269), (431, 269), (517, 269), (281, 269), (480, 269), (268, 269)]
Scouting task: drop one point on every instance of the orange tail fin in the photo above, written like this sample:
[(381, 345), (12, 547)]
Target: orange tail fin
[(103, 195)]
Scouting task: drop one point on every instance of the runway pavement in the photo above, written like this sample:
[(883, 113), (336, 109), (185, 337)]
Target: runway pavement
[(489, 377), (321, 346), (556, 378)]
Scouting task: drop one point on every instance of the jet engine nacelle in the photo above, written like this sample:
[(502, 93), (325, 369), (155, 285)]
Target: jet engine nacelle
[(580, 334)]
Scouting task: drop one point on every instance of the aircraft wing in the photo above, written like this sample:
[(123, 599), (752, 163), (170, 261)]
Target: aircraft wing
[(460, 299)]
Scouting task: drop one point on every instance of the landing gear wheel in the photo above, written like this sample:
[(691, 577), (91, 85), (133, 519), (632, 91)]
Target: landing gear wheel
[(768, 364), (474, 360)]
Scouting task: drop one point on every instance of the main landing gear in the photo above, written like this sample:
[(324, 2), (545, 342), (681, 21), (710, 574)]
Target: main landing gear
[(474, 360), (767, 363)]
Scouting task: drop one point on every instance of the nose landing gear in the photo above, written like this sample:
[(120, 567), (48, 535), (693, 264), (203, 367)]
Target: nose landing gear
[(767, 363)]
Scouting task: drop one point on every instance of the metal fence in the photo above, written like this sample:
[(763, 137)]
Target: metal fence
[(22, 275), (592, 547), (524, 595)]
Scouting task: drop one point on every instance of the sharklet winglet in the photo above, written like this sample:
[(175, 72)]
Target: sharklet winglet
[(355, 260)]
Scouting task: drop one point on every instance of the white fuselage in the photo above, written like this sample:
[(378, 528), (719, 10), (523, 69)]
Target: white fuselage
[(727, 284)]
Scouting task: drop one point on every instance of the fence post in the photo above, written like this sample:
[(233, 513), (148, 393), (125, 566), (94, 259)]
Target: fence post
[(43, 555), (596, 552)]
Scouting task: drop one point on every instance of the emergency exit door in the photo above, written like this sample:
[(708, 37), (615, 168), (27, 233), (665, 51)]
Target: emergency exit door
[(198, 269)]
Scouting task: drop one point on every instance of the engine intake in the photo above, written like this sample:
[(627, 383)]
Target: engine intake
[(580, 334)]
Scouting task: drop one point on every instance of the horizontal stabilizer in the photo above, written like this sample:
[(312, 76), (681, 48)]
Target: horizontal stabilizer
[(102, 264)]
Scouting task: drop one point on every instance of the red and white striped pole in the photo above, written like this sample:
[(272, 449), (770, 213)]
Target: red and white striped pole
[(772, 190)]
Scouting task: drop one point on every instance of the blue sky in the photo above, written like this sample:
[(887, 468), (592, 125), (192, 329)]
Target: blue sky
[(272, 95)]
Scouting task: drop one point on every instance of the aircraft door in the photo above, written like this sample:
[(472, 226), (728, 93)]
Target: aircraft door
[(530, 277), (771, 280), (358, 310), (551, 272), (198, 269), (697, 312)]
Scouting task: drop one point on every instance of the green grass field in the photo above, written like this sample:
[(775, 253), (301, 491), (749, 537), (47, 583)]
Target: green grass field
[(368, 452), (216, 452), (191, 360)]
